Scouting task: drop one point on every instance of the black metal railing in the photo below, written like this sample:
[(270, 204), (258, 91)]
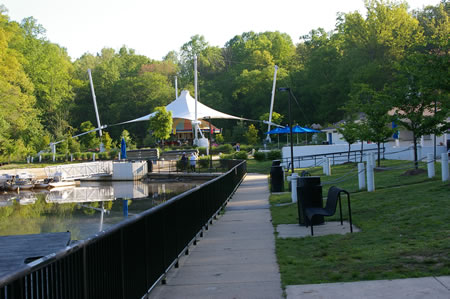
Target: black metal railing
[(201, 166), (129, 259)]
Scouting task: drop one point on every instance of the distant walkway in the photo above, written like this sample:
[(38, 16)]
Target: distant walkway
[(236, 258)]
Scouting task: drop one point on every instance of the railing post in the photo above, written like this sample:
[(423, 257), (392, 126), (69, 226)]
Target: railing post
[(430, 165), (361, 176), (370, 175), (444, 166)]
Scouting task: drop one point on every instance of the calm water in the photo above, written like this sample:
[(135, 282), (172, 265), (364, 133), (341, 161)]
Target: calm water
[(83, 210)]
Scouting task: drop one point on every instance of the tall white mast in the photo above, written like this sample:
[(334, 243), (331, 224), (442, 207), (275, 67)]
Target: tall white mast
[(271, 102), (176, 87), (196, 99), (95, 103)]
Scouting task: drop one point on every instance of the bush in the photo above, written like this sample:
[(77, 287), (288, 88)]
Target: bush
[(274, 155), (113, 154), (203, 161), (226, 156), (246, 148), (201, 150), (224, 148), (260, 156), (77, 156), (102, 156), (241, 155), (84, 156), (46, 157)]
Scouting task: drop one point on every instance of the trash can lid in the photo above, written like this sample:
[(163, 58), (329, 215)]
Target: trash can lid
[(276, 163), (305, 181)]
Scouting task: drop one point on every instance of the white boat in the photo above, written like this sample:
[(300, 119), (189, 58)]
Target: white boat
[(68, 183)]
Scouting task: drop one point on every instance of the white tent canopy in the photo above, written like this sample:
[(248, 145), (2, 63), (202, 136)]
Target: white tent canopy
[(184, 107)]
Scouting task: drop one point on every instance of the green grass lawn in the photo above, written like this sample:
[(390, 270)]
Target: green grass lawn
[(254, 166), (405, 231)]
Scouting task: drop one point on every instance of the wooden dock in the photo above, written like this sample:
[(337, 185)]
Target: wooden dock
[(17, 251)]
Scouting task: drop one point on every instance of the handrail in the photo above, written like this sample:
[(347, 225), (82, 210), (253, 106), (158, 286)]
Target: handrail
[(354, 154), (130, 258)]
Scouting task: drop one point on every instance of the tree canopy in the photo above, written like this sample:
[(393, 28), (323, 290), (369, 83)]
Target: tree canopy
[(395, 55)]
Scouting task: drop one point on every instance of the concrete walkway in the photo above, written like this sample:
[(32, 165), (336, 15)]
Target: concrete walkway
[(236, 258)]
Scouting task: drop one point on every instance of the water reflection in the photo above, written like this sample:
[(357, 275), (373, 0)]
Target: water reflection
[(83, 210)]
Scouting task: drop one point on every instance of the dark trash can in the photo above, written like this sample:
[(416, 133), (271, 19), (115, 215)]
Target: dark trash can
[(276, 177), (149, 166), (309, 195)]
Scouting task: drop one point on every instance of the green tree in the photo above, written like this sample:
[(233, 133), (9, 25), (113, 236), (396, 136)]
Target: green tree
[(128, 139), (349, 131), (161, 123), (418, 107), (252, 135), (376, 107), (239, 130), (89, 140), (107, 141), (219, 138)]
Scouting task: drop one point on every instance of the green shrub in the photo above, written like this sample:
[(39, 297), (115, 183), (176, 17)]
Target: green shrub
[(274, 155), (203, 161), (102, 156), (77, 156), (242, 155), (84, 156), (246, 148), (113, 154), (201, 150), (46, 157), (260, 156), (227, 156), (224, 148)]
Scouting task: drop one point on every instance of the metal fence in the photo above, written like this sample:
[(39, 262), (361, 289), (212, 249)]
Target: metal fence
[(129, 259), (335, 157), (201, 166)]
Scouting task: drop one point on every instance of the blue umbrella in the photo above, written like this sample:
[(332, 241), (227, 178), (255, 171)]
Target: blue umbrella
[(278, 130), (123, 149)]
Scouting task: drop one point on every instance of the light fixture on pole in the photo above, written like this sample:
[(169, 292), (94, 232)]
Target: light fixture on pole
[(290, 124)]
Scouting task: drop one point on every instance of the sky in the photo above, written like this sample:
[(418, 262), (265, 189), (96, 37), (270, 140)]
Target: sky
[(155, 27)]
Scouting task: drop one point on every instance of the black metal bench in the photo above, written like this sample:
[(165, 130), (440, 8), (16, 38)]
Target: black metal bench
[(333, 197)]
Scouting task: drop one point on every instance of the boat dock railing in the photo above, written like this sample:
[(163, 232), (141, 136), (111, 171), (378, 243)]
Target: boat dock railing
[(130, 258), (81, 170)]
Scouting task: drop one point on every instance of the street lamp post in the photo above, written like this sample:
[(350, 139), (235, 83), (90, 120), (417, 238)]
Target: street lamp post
[(290, 124)]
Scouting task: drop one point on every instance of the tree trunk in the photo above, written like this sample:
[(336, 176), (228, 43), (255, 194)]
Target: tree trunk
[(416, 162), (362, 151), (379, 157), (349, 148)]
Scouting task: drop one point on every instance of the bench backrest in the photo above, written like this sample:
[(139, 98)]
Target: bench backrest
[(332, 199), (143, 154)]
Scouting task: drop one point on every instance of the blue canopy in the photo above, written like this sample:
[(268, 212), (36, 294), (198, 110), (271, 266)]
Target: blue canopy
[(298, 129), (295, 129), (123, 149), (279, 130)]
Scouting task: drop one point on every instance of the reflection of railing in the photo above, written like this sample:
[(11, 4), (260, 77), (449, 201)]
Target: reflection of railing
[(81, 170), (81, 194), (131, 257)]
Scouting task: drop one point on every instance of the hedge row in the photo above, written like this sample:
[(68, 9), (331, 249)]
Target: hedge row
[(272, 155)]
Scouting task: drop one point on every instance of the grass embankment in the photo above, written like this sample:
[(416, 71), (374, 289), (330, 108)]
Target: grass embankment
[(405, 231)]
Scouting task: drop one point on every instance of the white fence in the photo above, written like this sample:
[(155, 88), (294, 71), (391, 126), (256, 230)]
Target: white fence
[(81, 170)]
